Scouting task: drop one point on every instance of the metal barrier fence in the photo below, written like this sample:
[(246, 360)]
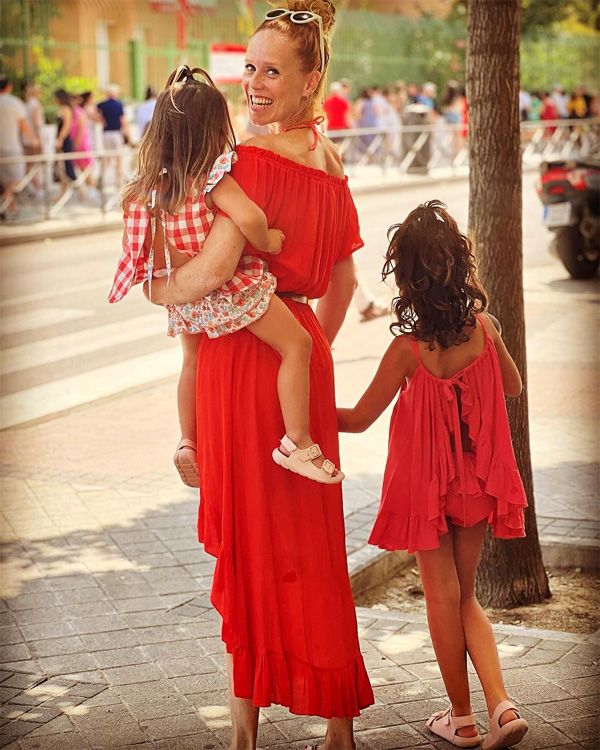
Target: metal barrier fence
[(419, 148)]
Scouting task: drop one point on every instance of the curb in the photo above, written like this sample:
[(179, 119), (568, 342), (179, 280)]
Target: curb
[(370, 566), (509, 630), (574, 552), (19, 235)]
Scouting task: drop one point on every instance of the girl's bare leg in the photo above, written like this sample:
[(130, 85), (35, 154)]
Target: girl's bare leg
[(281, 331), (186, 387), (442, 595), (244, 717), (479, 635)]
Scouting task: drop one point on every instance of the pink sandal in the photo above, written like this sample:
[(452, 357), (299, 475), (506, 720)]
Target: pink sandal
[(300, 462), (505, 735), (445, 726), (185, 461)]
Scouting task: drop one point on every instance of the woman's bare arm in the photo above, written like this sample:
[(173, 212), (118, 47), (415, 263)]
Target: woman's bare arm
[(331, 308), (207, 271)]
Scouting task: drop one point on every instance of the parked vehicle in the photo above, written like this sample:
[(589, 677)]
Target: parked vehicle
[(570, 192)]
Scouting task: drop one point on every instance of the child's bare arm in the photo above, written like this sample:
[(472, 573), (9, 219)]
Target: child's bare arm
[(246, 215), (511, 378), (388, 380)]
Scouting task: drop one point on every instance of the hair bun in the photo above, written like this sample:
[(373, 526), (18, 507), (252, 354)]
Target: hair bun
[(323, 8)]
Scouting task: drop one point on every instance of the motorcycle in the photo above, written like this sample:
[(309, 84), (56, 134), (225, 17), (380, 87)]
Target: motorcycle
[(570, 192)]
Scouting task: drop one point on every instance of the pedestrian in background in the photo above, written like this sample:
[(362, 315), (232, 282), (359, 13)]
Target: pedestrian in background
[(366, 116), (65, 170), (548, 112), (145, 110), (13, 126), (451, 468), (80, 135), (535, 109), (560, 100), (113, 114), (428, 95), (94, 119), (35, 119), (338, 111)]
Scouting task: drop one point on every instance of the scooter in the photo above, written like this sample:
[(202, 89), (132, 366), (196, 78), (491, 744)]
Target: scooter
[(570, 192)]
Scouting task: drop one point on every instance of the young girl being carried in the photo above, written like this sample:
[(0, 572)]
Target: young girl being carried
[(451, 469), (184, 161)]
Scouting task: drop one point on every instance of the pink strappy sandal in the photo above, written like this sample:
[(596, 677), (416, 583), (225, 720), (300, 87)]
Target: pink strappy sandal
[(300, 462), (185, 461), (505, 735), (445, 726)]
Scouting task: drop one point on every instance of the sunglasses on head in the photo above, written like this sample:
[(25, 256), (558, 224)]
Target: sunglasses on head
[(301, 17)]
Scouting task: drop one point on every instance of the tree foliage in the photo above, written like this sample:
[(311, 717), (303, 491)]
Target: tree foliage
[(539, 15)]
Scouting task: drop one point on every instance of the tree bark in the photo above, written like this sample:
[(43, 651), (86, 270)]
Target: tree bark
[(511, 572)]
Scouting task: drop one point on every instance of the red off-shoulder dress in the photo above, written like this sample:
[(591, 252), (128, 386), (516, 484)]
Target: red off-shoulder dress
[(281, 579)]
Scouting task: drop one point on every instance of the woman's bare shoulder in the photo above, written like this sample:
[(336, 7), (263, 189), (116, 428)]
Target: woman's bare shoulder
[(267, 141), (335, 166)]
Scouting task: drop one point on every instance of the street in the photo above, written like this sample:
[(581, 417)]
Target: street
[(64, 345)]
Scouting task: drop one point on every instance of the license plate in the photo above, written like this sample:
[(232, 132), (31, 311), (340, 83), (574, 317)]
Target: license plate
[(557, 215)]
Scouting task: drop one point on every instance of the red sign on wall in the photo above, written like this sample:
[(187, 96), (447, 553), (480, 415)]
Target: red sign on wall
[(226, 62)]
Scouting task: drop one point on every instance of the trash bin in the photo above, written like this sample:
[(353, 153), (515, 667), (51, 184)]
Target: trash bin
[(416, 114)]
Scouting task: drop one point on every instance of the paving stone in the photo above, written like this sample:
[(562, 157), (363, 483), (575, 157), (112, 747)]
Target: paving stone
[(107, 641), (22, 681), (60, 725), (581, 686), (100, 624), (173, 726), (175, 649), (121, 657), (16, 652), (201, 683), (66, 663), (10, 634), (203, 741), (66, 741), (32, 601), (6, 693), (41, 630), (162, 634), (133, 674), (574, 708), (57, 646), (17, 728), (579, 729), (185, 667), (98, 726), (41, 714)]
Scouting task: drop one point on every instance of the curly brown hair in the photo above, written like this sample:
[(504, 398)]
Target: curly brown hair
[(434, 269)]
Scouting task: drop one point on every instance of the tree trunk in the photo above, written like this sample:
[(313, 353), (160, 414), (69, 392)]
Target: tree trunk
[(511, 572)]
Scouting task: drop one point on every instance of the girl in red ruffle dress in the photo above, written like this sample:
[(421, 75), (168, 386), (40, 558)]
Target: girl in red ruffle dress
[(451, 469), (183, 181)]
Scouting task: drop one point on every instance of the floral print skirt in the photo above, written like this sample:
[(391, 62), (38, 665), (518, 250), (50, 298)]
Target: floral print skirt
[(222, 312)]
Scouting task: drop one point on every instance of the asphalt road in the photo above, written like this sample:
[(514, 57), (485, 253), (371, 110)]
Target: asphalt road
[(62, 344)]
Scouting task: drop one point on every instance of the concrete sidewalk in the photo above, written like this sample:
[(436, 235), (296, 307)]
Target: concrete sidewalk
[(109, 640)]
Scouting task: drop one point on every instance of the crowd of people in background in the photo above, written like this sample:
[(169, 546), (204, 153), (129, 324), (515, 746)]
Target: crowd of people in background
[(83, 126)]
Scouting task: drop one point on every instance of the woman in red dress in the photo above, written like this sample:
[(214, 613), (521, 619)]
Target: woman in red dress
[(281, 582)]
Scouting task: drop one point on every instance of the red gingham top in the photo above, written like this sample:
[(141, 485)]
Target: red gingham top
[(186, 230)]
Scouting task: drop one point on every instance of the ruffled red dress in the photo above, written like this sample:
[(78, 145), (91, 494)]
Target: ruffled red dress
[(450, 456), (281, 580)]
